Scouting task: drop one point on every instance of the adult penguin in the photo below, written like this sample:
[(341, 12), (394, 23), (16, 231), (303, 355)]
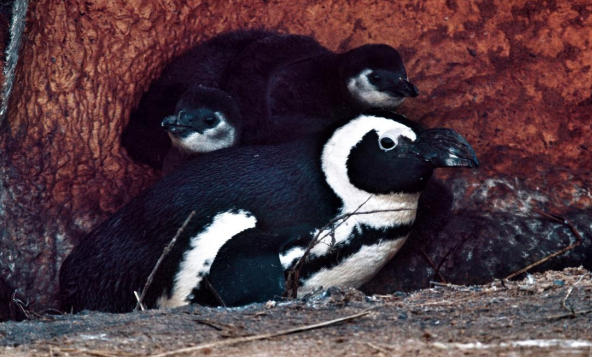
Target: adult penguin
[(375, 164)]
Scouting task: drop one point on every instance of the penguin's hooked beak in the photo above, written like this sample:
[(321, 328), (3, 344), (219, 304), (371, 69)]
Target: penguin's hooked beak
[(171, 120), (406, 89), (400, 87), (174, 124), (445, 148)]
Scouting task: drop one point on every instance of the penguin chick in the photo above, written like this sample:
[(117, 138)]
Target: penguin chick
[(275, 91), (376, 77), (376, 164), (204, 64), (205, 119)]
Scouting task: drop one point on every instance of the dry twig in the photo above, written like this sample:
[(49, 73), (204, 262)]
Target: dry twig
[(166, 251), (98, 353), (261, 336), (564, 301), (558, 219), (451, 286), (436, 269), (569, 314), (377, 348), (213, 291), (139, 301), (21, 305), (446, 302), (291, 290), (214, 325)]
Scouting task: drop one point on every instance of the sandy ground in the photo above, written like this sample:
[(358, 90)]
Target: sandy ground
[(547, 314)]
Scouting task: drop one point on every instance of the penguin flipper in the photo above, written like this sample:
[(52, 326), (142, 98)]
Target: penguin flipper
[(247, 268)]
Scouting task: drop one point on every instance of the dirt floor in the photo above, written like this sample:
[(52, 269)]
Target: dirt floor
[(547, 314)]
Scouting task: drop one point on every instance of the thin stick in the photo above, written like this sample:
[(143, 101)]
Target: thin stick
[(570, 314), (91, 352), (559, 252), (214, 292), (139, 300), (379, 349), (436, 269), (448, 285), (291, 290), (563, 302), (261, 336), (213, 325), (445, 302), (560, 219), (18, 302), (159, 261)]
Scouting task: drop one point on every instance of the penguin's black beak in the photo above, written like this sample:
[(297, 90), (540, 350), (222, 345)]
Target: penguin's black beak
[(178, 124), (393, 82), (401, 87), (171, 120), (445, 148), (406, 88)]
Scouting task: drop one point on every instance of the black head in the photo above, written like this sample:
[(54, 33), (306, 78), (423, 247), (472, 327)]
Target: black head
[(375, 76), (383, 153), (205, 119)]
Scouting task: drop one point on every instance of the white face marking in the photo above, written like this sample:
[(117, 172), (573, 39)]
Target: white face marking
[(204, 247), (219, 137), (355, 270), (368, 96), (334, 160)]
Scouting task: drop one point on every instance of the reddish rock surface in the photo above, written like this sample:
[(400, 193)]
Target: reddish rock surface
[(513, 77)]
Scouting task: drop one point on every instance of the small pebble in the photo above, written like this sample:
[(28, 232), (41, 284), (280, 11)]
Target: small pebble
[(270, 304)]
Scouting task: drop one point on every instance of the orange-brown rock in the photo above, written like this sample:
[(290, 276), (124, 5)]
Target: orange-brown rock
[(513, 77)]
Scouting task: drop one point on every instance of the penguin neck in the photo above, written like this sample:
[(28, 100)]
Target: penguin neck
[(342, 78), (329, 66)]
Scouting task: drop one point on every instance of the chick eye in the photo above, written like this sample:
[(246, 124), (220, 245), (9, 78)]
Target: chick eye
[(374, 77), (210, 121), (388, 140)]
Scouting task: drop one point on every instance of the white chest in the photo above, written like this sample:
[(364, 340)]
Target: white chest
[(355, 270)]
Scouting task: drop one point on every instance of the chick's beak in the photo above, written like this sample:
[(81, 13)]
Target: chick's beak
[(407, 89), (171, 120)]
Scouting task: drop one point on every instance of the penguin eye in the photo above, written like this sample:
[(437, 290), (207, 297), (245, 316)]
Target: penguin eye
[(387, 144), (182, 115), (389, 140), (374, 77), (210, 121)]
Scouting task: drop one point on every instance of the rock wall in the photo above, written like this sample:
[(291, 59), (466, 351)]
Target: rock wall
[(512, 77)]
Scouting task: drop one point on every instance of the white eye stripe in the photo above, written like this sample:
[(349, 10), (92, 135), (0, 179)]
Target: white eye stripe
[(389, 139)]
